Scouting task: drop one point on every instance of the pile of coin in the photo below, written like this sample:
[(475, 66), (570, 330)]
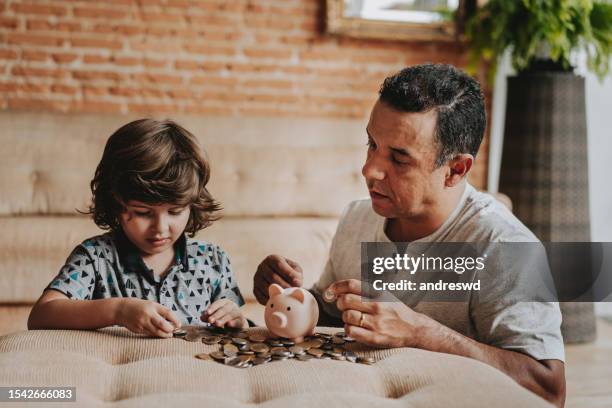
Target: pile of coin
[(241, 349)]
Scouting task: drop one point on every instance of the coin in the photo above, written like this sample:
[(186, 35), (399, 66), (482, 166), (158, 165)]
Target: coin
[(365, 360), (337, 340), (203, 356), (232, 361), (242, 334), (316, 352), (239, 341), (297, 350), (261, 360), (218, 355), (329, 295), (179, 332), (257, 338), (193, 336), (303, 357), (259, 347), (350, 356), (230, 350), (305, 345), (211, 339)]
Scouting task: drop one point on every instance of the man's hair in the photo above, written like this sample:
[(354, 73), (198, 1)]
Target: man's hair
[(155, 162), (455, 96)]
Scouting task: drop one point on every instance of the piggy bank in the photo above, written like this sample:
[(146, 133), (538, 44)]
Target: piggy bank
[(291, 313)]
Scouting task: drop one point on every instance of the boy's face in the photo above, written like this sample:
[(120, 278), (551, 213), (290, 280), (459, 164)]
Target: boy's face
[(153, 228)]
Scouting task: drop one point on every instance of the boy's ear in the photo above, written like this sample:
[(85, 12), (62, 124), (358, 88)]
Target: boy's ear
[(274, 289), (298, 294)]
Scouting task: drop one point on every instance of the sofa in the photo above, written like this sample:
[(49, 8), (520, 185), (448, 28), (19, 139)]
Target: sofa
[(283, 184)]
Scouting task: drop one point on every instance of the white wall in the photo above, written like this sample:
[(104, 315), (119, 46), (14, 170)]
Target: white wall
[(599, 127)]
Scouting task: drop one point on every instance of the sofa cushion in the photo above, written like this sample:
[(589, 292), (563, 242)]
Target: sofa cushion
[(113, 367), (259, 168)]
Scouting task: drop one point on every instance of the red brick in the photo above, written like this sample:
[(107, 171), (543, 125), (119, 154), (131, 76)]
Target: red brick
[(38, 72), (33, 88), (64, 58), (96, 43), (37, 25), (203, 49), (8, 87), (39, 9), (64, 89), (105, 13), (162, 17), (186, 64), (68, 26), (268, 53), (8, 54), (96, 75), (95, 59), (158, 78), (8, 22), (34, 55), (154, 63), (94, 91), (126, 61), (34, 39), (123, 91)]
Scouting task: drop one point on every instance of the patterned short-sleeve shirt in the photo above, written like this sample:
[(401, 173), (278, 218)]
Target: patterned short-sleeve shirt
[(110, 265)]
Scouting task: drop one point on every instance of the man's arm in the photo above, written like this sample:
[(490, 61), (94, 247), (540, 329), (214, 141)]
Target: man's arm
[(393, 324), (546, 378)]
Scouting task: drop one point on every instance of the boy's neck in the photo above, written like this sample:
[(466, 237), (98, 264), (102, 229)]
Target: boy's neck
[(160, 263)]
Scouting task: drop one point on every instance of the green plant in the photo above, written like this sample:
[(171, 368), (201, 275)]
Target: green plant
[(529, 26)]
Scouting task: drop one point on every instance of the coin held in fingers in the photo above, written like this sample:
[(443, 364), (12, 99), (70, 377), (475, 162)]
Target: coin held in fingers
[(329, 295)]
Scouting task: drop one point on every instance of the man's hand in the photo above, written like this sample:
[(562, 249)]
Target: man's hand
[(393, 324), (275, 269), (382, 324), (224, 312), (146, 317)]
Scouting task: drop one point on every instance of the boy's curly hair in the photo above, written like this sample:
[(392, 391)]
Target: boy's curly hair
[(155, 162)]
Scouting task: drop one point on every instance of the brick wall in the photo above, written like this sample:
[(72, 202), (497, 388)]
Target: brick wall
[(205, 57)]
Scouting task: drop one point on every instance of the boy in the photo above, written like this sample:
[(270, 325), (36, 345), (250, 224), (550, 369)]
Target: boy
[(145, 274)]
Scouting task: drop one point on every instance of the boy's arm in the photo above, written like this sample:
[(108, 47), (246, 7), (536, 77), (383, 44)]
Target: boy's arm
[(55, 311)]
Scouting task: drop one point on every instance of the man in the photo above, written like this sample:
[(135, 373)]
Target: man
[(423, 135)]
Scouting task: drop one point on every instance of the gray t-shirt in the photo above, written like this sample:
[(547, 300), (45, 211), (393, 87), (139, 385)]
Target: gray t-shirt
[(491, 316)]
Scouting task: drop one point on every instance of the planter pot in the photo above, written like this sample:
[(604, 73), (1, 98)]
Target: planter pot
[(544, 169)]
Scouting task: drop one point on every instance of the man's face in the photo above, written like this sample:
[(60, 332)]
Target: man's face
[(399, 169), (153, 228)]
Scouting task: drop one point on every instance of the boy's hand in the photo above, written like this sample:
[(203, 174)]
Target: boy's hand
[(147, 317), (224, 312)]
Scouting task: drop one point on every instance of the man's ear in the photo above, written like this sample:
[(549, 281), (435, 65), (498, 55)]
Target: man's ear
[(459, 167)]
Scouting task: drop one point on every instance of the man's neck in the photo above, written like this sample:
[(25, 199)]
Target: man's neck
[(411, 229)]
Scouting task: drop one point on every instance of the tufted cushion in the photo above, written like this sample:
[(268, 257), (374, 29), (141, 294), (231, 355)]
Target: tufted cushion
[(112, 367), (284, 168)]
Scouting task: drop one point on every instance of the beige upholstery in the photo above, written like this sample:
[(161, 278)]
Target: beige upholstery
[(283, 184), (114, 368)]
